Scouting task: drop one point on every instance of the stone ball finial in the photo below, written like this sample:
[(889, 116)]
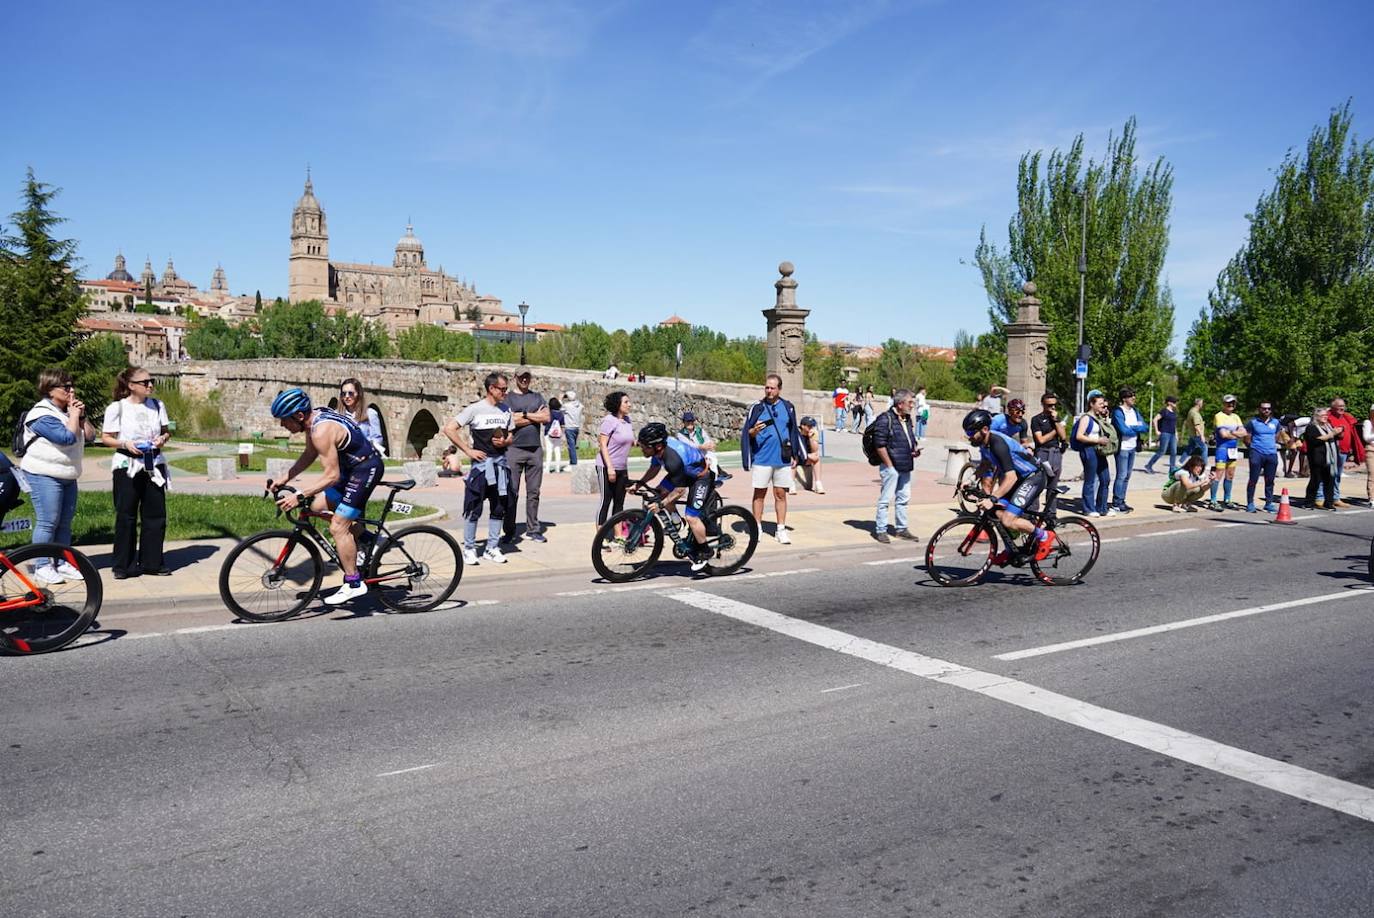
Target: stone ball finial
[(786, 269), (1028, 288)]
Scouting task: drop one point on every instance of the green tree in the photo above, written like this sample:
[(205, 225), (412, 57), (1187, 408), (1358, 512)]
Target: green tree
[(980, 363), (257, 301), (1128, 312), (473, 313), (94, 363), (430, 343), (215, 339), (1292, 315), (40, 302)]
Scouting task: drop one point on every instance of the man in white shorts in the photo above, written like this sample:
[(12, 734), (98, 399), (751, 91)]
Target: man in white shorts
[(770, 446)]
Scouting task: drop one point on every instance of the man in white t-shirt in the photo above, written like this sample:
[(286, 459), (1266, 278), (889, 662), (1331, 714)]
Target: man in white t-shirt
[(491, 428)]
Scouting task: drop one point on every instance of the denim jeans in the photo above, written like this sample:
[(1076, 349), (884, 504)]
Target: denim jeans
[(1168, 443), (470, 533), (1097, 481), (896, 489), (920, 430), (839, 419), (1268, 466), (1125, 463), (1196, 445), (572, 445), (1341, 458), (54, 505)]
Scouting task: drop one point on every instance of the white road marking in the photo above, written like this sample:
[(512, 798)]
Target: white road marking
[(1117, 539), (1227, 525), (402, 771), (841, 688), (1175, 626), (1333, 793), (1167, 532), (894, 561), (656, 585)]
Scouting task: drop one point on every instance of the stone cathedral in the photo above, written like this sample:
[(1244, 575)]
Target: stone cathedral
[(405, 294)]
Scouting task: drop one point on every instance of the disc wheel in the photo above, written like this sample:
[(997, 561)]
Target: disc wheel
[(960, 552), (416, 569), (271, 576), (627, 545), (36, 616), (735, 534), (1074, 553)]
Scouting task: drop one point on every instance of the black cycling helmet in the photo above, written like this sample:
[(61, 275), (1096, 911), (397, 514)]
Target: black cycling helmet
[(975, 421), (652, 434)]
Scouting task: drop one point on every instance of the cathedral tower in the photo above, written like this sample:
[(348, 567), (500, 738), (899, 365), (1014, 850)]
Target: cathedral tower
[(308, 278)]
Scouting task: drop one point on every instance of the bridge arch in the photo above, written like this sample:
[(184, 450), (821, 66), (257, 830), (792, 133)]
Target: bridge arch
[(420, 433)]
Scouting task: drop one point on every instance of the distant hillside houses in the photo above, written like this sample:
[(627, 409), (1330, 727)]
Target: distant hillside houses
[(861, 352)]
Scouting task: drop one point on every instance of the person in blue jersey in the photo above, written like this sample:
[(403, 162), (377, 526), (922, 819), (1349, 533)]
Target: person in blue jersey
[(1014, 425), (350, 469), (1263, 432), (1019, 479), (686, 475)]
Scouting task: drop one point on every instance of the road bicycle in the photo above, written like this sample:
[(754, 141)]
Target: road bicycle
[(961, 552), (275, 574), (38, 617), (965, 480), (628, 544)]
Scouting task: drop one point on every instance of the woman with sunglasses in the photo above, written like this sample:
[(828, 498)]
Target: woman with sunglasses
[(54, 441), (136, 428), (353, 402)]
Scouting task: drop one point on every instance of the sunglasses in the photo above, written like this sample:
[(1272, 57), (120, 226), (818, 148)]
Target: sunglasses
[(68, 387), (143, 382), (501, 388), (348, 393)]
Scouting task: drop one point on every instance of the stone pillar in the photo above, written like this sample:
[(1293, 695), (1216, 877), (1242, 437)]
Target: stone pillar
[(1027, 349), (787, 336)]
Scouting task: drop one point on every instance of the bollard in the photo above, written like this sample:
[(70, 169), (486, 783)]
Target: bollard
[(425, 474), (277, 469), (220, 469), (954, 461)]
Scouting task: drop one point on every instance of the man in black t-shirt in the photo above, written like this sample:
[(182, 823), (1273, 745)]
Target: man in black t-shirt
[(1166, 427), (1047, 430), (525, 456)]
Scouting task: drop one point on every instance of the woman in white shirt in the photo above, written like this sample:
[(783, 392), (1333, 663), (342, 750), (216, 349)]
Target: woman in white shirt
[(353, 402), (136, 428)]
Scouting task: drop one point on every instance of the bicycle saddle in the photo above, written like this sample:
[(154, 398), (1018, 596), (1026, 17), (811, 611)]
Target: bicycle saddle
[(404, 485)]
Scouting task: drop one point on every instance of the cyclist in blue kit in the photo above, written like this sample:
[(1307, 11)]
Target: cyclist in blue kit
[(1018, 479), (350, 470), (685, 468)]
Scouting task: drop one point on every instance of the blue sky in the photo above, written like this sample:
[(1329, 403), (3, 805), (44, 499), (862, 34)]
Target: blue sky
[(622, 160)]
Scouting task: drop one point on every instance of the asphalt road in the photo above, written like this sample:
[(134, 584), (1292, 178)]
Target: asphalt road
[(836, 738)]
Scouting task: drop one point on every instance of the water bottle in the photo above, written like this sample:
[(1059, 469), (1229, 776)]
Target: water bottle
[(679, 524)]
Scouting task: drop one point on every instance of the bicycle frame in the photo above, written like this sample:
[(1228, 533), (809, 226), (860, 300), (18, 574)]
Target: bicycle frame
[(34, 595), (301, 523), (1017, 554), (670, 529)]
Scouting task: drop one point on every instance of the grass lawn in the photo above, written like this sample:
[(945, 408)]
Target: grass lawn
[(189, 516)]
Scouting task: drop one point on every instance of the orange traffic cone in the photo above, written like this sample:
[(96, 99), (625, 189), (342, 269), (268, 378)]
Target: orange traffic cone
[(1285, 511)]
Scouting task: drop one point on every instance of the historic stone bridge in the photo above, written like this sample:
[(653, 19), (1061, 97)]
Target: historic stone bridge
[(414, 399)]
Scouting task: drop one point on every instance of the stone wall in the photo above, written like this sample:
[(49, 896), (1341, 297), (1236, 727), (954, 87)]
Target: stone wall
[(415, 399)]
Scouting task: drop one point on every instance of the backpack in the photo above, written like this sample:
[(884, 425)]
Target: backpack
[(869, 438), (1113, 444), (555, 430), (19, 444)]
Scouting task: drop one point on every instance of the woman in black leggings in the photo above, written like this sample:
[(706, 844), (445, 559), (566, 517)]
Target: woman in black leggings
[(614, 438)]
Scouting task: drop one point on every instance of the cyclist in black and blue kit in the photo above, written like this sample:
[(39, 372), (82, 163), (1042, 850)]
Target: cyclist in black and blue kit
[(350, 470), (1018, 479), (685, 468)]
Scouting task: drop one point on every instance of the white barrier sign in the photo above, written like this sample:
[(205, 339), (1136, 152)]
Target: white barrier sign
[(245, 449)]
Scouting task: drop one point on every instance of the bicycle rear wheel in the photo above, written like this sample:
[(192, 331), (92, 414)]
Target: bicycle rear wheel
[(957, 555), (735, 533), (627, 545), (37, 616), (416, 569), (968, 477), (1074, 553), (271, 576)]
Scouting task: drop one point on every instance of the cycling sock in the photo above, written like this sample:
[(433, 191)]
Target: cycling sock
[(350, 579), (1040, 534), (1227, 487), (1214, 492)]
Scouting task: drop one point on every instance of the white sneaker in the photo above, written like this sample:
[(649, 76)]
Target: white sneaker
[(820, 489), (783, 537), (470, 557), (346, 592), (69, 572), (792, 490), (1094, 515), (493, 554), (49, 575)]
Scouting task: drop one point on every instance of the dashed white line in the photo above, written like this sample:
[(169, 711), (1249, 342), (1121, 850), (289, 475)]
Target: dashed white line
[(841, 688), (658, 585), (1167, 532), (1175, 626), (893, 561), (1333, 793), (402, 771)]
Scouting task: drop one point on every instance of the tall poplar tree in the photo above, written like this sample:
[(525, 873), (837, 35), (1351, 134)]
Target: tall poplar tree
[(40, 301), (1128, 311), (1292, 315)]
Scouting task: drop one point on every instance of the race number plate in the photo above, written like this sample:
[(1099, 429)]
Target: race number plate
[(23, 525), (402, 508)]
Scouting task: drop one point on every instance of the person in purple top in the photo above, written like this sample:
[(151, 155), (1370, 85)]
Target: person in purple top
[(614, 438)]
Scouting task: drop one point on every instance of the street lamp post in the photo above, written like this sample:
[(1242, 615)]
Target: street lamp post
[(524, 308), (1151, 438), (1082, 283)]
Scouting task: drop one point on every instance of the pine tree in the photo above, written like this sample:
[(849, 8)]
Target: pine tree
[(40, 301), (1292, 316), (1128, 312)]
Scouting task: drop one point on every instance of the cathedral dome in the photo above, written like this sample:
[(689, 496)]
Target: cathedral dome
[(409, 242), (308, 202)]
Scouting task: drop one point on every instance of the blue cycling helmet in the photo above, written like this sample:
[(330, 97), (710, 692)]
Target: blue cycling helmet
[(289, 402)]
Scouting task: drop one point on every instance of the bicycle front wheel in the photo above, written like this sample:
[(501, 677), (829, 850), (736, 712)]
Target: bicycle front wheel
[(271, 576), (1074, 553), (734, 534), (416, 569), (627, 545), (36, 615), (960, 552)]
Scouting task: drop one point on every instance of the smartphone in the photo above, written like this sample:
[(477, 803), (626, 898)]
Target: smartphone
[(767, 422)]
